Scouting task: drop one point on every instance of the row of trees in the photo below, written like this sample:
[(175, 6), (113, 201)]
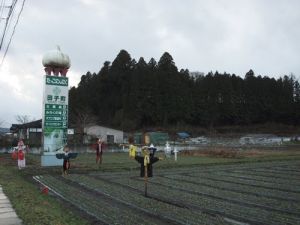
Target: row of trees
[(131, 95)]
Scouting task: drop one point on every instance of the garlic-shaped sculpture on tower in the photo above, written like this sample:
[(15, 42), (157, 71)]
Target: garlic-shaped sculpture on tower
[(56, 62)]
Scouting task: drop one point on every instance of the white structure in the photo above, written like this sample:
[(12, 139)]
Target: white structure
[(168, 150), (108, 135), (56, 62), (261, 139), (175, 154)]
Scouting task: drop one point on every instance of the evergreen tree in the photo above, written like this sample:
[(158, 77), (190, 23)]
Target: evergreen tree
[(131, 95), (166, 97)]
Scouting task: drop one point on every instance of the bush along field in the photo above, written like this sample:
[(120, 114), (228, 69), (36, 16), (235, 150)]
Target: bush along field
[(199, 188)]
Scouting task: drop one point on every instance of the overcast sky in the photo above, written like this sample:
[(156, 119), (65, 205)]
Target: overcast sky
[(224, 35)]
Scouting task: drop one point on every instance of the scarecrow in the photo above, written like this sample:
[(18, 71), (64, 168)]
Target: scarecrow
[(146, 160), (99, 151), (66, 156), (21, 154), (132, 148)]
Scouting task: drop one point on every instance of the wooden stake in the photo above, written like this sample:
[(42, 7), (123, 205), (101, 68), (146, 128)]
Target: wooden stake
[(146, 180)]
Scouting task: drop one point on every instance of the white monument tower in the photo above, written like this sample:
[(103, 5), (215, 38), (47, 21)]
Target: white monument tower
[(55, 106)]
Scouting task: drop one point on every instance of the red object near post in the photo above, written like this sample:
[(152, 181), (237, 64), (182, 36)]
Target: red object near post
[(20, 155), (14, 155), (45, 190)]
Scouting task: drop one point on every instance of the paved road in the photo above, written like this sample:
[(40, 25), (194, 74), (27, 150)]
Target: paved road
[(8, 215)]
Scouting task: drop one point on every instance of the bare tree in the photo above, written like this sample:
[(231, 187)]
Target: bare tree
[(21, 119), (82, 118)]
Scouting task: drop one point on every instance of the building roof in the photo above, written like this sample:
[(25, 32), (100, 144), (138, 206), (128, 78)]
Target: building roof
[(183, 134), (33, 124)]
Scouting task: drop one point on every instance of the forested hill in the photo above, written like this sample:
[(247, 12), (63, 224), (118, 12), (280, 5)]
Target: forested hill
[(131, 95)]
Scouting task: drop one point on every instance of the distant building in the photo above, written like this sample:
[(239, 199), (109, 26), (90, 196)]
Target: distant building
[(4, 131), (183, 135), (154, 137), (109, 135), (31, 132)]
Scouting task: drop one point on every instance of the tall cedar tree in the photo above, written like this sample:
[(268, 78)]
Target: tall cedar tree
[(132, 95)]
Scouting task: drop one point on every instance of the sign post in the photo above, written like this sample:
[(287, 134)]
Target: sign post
[(55, 107), (55, 118)]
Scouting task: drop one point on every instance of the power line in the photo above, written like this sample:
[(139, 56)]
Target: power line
[(11, 9), (14, 29), (11, 16), (2, 9)]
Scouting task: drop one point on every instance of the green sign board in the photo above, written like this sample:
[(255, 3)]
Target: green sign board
[(58, 81), (55, 116)]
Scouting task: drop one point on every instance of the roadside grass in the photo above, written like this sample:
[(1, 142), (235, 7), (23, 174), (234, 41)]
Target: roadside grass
[(30, 204), (34, 208)]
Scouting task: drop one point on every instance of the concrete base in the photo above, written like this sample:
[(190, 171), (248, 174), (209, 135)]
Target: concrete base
[(51, 160)]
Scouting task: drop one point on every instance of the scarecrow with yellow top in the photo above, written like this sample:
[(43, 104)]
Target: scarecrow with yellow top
[(132, 148), (146, 160)]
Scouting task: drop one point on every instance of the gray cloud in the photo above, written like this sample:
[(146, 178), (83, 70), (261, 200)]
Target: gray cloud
[(231, 36)]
